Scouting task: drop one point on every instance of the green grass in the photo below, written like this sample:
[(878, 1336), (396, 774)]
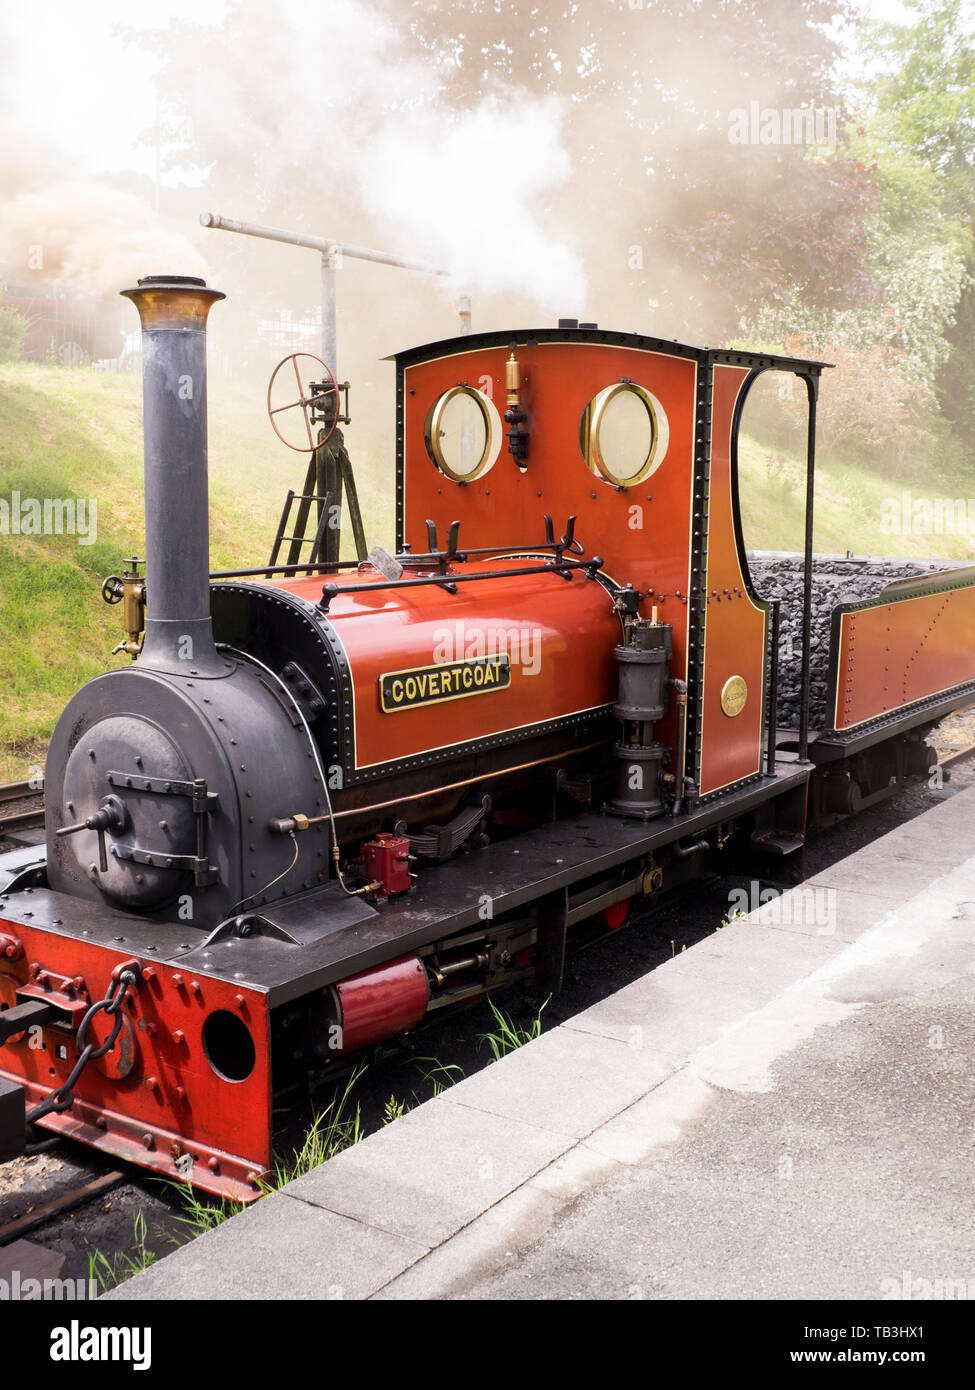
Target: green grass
[(439, 1075), (108, 1271), (332, 1130), (508, 1035), (850, 501)]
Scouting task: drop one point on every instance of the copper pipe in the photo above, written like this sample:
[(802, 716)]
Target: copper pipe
[(285, 825)]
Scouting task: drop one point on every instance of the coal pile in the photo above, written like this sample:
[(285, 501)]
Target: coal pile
[(835, 581)]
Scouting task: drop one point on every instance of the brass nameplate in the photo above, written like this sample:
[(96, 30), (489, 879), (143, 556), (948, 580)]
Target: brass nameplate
[(734, 693), (451, 680)]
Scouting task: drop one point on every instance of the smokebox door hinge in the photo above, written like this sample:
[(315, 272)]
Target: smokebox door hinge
[(202, 799)]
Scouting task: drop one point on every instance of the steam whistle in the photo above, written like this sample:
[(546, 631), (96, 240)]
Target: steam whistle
[(514, 416)]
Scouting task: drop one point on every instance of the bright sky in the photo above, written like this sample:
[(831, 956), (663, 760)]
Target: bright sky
[(93, 96), (83, 87)]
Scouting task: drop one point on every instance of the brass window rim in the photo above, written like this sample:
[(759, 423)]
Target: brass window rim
[(598, 406), (433, 433)]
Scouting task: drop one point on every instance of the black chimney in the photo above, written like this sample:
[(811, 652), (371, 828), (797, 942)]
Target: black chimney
[(179, 634)]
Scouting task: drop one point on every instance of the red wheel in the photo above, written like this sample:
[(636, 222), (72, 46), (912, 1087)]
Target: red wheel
[(306, 403)]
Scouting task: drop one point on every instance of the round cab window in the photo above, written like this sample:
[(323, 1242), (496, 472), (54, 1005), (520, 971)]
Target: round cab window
[(463, 433), (623, 434)]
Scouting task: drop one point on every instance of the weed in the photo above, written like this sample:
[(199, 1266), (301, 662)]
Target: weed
[(393, 1110), (202, 1215), (439, 1074), (109, 1271), (332, 1130), (509, 1036)]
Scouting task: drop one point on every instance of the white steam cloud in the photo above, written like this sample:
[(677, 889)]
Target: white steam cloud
[(467, 188), (89, 236)]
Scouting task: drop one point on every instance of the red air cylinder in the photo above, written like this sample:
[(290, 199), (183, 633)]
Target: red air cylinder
[(387, 862), (381, 1002)]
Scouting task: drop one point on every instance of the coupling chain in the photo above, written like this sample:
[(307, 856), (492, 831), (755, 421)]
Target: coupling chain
[(63, 1098)]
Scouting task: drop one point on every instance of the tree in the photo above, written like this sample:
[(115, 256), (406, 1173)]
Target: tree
[(924, 100), (13, 331), (681, 229), (651, 89)]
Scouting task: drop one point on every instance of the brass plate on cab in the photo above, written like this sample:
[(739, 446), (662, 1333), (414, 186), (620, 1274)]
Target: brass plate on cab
[(452, 680), (734, 694)]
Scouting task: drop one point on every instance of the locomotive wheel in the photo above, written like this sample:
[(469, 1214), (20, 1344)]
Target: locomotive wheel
[(614, 917)]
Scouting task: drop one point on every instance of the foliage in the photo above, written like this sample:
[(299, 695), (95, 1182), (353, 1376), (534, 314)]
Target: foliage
[(13, 331), (645, 93), (202, 1214), (925, 88), (109, 1271), (509, 1036), (440, 1075), (916, 253), (333, 1129), (922, 99), (881, 401), (394, 1110)]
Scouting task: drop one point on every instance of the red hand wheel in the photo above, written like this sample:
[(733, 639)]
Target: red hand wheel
[(307, 403)]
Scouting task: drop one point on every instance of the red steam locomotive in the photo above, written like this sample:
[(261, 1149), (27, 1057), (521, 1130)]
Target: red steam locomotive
[(330, 797)]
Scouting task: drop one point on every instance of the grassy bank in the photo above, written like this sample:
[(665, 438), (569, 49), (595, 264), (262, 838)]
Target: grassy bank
[(72, 434), (856, 508)]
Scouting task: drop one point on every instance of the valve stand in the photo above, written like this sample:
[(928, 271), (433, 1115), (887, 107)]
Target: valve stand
[(315, 413), (128, 589), (318, 404)]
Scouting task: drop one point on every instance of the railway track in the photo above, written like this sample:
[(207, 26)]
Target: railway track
[(15, 791), (26, 803), (45, 1212)]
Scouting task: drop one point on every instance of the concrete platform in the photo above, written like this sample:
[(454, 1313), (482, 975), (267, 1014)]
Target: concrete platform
[(783, 1111)]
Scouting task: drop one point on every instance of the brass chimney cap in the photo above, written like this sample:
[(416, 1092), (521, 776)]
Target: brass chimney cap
[(173, 302)]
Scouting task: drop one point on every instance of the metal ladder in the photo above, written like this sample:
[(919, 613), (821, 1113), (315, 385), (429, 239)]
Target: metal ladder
[(329, 471)]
